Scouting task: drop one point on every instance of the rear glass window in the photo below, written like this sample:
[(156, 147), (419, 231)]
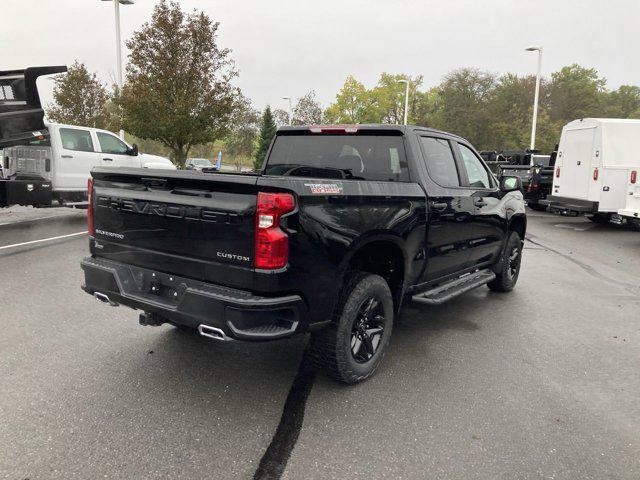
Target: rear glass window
[(348, 157), (440, 161)]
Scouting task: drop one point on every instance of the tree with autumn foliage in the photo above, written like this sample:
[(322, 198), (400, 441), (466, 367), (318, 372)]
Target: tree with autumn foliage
[(178, 87), (81, 99)]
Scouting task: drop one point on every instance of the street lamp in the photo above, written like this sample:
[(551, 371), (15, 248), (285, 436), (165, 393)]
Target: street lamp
[(290, 110), (117, 4), (406, 100), (535, 98)]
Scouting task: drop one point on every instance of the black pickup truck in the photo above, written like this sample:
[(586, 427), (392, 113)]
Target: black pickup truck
[(339, 228)]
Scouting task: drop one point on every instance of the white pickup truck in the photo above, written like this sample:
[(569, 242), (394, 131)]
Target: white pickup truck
[(43, 162)]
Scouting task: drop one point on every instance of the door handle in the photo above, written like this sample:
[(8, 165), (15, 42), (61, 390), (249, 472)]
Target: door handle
[(108, 159), (66, 156), (439, 205)]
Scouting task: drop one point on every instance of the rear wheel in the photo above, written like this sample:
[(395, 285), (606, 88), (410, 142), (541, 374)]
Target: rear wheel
[(602, 218), (634, 223), (507, 277), (351, 348)]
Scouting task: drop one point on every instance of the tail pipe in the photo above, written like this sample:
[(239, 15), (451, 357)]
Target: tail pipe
[(104, 299), (213, 332)]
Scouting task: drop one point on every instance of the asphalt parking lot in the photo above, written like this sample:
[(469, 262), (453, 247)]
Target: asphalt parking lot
[(539, 383)]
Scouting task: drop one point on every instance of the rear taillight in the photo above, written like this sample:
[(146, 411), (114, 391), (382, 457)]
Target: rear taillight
[(595, 173), (90, 206), (634, 176), (558, 172), (271, 242)]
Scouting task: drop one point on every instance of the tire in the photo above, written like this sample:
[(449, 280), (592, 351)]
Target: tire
[(634, 223), (537, 207), (510, 269), (601, 218), (352, 347)]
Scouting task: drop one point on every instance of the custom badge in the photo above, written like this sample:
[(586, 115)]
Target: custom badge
[(324, 188)]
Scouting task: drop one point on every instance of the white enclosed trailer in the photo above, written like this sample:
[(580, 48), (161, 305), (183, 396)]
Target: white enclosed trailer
[(594, 166)]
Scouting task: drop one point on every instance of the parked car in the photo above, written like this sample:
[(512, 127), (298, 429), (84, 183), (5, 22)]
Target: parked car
[(53, 162), (198, 164), (340, 227), (596, 158)]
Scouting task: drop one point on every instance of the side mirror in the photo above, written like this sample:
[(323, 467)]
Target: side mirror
[(510, 184), (134, 150)]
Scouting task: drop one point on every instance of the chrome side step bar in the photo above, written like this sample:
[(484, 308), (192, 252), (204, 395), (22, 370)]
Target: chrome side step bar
[(101, 297), (213, 332)]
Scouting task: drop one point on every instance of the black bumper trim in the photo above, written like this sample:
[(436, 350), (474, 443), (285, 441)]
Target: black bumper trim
[(564, 204), (240, 314)]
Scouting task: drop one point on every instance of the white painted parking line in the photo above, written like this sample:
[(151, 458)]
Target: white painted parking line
[(42, 240)]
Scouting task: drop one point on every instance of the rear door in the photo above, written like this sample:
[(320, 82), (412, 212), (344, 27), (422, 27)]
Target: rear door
[(576, 150), (114, 152), (76, 156), (449, 227), (488, 223)]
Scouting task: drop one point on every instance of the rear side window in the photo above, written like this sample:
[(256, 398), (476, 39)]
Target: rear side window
[(347, 157), (111, 144), (478, 175), (76, 139), (441, 163)]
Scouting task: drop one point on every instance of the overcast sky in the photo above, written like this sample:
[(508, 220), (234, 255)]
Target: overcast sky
[(288, 47)]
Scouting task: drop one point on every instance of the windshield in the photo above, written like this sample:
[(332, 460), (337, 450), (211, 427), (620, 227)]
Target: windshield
[(348, 157)]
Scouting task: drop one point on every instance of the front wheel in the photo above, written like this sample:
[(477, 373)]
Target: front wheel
[(351, 348), (507, 277)]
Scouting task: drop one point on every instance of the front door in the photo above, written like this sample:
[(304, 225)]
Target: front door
[(450, 210), (114, 152), (489, 223)]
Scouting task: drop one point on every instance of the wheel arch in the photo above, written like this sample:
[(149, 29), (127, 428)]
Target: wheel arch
[(383, 254)]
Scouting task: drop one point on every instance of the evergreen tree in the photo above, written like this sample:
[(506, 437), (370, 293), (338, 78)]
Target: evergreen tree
[(267, 132)]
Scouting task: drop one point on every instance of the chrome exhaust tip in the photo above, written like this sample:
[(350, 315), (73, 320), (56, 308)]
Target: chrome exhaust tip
[(101, 297), (212, 332)]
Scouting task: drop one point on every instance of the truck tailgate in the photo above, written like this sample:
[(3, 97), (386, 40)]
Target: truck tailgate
[(190, 224)]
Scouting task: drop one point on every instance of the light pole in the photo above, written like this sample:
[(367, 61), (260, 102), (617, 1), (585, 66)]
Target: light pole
[(290, 110), (406, 100), (535, 98), (116, 4)]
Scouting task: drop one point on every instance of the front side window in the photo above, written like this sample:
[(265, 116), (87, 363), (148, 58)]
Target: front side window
[(346, 157), (441, 163), (478, 175), (111, 144), (76, 139)]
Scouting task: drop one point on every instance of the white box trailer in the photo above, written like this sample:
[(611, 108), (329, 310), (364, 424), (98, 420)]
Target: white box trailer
[(594, 166)]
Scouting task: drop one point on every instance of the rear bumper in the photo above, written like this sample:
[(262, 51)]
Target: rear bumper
[(182, 301), (629, 213), (569, 205)]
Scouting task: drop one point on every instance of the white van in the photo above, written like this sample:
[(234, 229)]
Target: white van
[(57, 167), (594, 166)]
